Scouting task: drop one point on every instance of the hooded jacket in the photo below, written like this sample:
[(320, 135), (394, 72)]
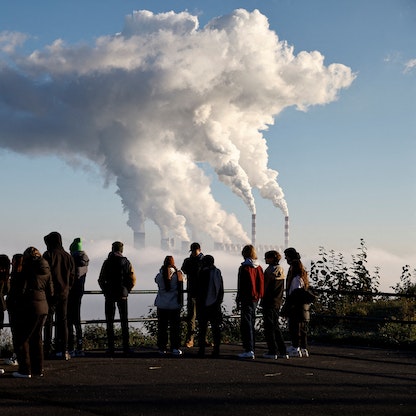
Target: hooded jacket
[(274, 286), (38, 290), (250, 285), (60, 262)]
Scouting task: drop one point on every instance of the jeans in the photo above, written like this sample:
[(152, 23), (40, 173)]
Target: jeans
[(59, 311), (248, 320), (272, 332), (110, 311), (168, 320)]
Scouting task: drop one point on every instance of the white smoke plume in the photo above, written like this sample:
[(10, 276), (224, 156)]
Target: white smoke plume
[(154, 102)]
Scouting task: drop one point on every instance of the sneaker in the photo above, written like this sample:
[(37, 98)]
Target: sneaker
[(294, 352), (11, 361), (270, 356), (177, 352), (247, 355), (283, 356), (63, 355), (1, 371), (162, 352), (305, 352), (16, 374)]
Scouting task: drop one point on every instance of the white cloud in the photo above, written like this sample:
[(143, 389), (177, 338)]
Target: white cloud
[(149, 103), (410, 65)]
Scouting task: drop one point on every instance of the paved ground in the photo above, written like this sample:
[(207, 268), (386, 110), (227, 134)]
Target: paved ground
[(332, 381)]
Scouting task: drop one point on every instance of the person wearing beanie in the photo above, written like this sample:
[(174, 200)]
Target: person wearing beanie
[(76, 293), (116, 280)]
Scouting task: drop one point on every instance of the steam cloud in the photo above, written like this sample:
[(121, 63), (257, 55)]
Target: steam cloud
[(155, 103)]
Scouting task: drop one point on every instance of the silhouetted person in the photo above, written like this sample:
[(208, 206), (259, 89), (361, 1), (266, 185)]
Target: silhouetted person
[(190, 267), (116, 280), (62, 268), (32, 310), (76, 293), (209, 300)]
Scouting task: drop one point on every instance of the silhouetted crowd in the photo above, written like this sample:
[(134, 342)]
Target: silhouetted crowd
[(42, 294)]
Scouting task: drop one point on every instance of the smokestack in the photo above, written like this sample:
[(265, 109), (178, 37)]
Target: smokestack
[(253, 229), (286, 232), (139, 239)]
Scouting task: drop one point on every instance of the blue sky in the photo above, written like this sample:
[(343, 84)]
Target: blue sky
[(346, 167)]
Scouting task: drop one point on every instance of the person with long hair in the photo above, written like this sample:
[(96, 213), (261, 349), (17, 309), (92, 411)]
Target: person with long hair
[(33, 306), (250, 289), (297, 311), (169, 302)]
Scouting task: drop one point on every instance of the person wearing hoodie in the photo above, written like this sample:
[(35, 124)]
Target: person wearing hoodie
[(62, 268), (32, 309), (191, 266), (81, 261), (116, 280), (250, 289), (209, 299)]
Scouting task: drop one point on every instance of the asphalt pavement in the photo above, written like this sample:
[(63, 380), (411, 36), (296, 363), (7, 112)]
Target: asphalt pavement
[(334, 380)]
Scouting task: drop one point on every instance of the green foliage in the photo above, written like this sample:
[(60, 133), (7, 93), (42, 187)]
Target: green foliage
[(351, 292), (95, 337)]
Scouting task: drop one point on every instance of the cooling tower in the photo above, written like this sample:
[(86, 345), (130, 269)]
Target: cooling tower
[(139, 239)]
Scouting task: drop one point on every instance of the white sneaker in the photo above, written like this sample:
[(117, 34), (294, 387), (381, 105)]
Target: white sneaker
[(270, 356), (305, 352), (1, 371), (11, 361), (16, 374), (294, 352), (177, 352), (247, 355)]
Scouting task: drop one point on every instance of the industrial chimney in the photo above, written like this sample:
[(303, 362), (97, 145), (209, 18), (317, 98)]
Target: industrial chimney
[(286, 232), (253, 229)]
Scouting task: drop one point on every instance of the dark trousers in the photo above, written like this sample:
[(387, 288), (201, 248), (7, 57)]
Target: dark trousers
[(247, 325), (29, 343), (110, 311), (272, 332), (59, 312), (74, 316), (168, 320), (298, 330), (209, 314), (191, 318)]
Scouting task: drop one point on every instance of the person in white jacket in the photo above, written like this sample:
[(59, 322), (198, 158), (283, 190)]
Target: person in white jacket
[(169, 302)]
